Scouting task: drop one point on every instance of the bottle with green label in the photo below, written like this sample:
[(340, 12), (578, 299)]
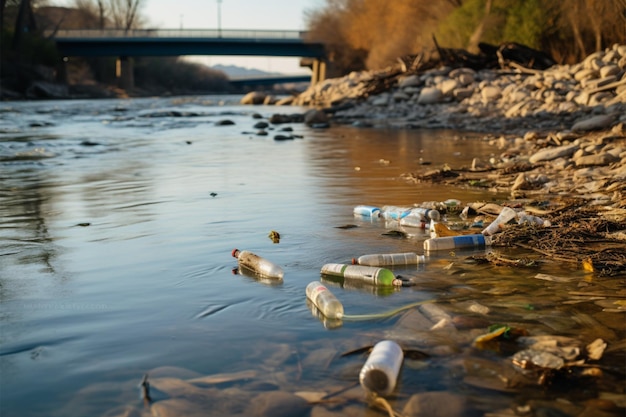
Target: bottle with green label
[(370, 274)]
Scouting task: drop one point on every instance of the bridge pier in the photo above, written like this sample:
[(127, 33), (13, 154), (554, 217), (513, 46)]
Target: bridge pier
[(124, 73), (318, 68)]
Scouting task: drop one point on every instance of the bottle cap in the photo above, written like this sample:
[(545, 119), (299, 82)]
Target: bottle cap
[(235, 252)]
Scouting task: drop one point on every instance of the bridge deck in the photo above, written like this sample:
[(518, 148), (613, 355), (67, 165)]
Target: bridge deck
[(169, 42)]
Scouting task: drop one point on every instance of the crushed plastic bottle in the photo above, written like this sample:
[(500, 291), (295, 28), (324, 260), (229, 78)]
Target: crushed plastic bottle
[(457, 242), (380, 372), (524, 218), (257, 264), (370, 274), (407, 258), (324, 300), (506, 214), (368, 211)]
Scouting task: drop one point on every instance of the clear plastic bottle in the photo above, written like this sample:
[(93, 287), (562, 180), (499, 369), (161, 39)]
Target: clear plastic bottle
[(414, 220), (368, 211), (324, 300), (394, 212), (380, 372), (457, 242), (370, 274), (408, 258), (257, 264), (435, 217), (506, 214)]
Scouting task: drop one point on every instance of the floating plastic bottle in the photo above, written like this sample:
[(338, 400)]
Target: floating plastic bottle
[(457, 242), (380, 372), (408, 258), (368, 211), (257, 264), (506, 214), (414, 220), (370, 274), (324, 300), (434, 217), (394, 212)]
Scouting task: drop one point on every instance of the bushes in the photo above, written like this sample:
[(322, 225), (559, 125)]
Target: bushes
[(372, 33)]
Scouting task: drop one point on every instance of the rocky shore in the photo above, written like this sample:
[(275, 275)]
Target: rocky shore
[(558, 137), (558, 131)]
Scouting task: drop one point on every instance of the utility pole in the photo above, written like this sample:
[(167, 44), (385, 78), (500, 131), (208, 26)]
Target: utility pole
[(219, 18)]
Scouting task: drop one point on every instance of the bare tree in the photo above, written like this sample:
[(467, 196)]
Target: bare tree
[(124, 13)]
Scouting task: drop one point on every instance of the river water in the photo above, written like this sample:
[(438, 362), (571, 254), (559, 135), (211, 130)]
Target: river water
[(118, 218)]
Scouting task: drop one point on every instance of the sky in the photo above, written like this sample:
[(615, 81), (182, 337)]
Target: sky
[(235, 14)]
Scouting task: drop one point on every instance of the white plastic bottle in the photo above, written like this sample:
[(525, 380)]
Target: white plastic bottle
[(324, 300), (379, 374), (506, 214), (369, 274), (257, 264), (408, 258), (457, 242)]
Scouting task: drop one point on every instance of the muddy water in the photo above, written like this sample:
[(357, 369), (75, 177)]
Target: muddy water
[(118, 222)]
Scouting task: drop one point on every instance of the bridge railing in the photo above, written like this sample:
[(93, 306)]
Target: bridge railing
[(177, 33)]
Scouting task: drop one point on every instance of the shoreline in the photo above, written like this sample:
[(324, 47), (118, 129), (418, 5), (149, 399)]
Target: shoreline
[(558, 137)]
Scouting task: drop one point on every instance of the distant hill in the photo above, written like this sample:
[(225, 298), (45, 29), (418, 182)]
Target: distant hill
[(233, 71)]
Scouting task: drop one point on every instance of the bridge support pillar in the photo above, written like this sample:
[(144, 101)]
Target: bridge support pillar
[(61, 72), (319, 71), (124, 73)]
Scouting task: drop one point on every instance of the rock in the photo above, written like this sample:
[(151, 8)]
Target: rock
[(269, 99), (315, 117), (596, 160), (430, 95), (43, 89), (410, 81), (176, 407), (603, 121), (549, 154), (224, 122), (447, 87), (285, 101), (277, 404), (490, 93), (261, 125), (436, 404), (253, 97), (280, 118)]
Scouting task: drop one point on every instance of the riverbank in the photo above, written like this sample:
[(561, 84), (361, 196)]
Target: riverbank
[(558, 138)]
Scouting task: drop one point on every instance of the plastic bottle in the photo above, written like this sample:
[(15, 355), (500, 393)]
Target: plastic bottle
[(380, 372), (394, 212), (324, 300), (523, 217), (457, 242), (369, 211), (506, 214), (414, 220), (369, 274), (259, 265), (408, 258), (434, 219)]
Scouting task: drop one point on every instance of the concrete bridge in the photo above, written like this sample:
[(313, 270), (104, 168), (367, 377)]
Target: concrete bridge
[(125, 44)]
